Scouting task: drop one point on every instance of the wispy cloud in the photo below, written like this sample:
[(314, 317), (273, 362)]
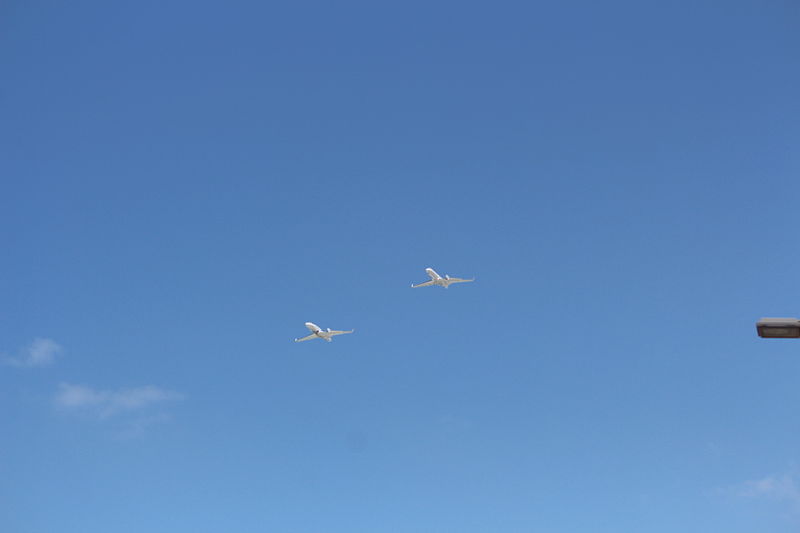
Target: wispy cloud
[(108, 403), (139, 425), (41, 352), (781, 488)]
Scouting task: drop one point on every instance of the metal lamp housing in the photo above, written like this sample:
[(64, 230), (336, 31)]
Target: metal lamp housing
[(778, 328)]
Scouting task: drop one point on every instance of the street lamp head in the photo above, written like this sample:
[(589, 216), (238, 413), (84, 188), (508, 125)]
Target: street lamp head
[(778, 328)]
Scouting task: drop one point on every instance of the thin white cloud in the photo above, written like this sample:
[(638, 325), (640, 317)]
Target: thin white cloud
[(107, 403), (782, 488), (41, 352), (138, 425)]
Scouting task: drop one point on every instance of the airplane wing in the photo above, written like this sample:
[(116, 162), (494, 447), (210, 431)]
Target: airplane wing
[(306, 338), (459, 280), (426, 284), (338, 332)]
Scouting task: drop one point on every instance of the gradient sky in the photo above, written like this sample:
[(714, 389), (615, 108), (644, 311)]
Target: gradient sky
[(184, 184)]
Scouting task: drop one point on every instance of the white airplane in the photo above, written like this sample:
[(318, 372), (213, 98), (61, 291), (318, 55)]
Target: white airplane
[(319, 333), (436, 279)]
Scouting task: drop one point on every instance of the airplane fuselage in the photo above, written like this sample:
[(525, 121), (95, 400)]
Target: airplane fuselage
[(437, 279), (319, 332)]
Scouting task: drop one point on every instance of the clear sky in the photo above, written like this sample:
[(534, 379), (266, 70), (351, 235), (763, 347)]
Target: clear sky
[(184, 184)]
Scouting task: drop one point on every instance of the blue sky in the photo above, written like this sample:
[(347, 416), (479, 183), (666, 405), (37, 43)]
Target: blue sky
[(184, 184)]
